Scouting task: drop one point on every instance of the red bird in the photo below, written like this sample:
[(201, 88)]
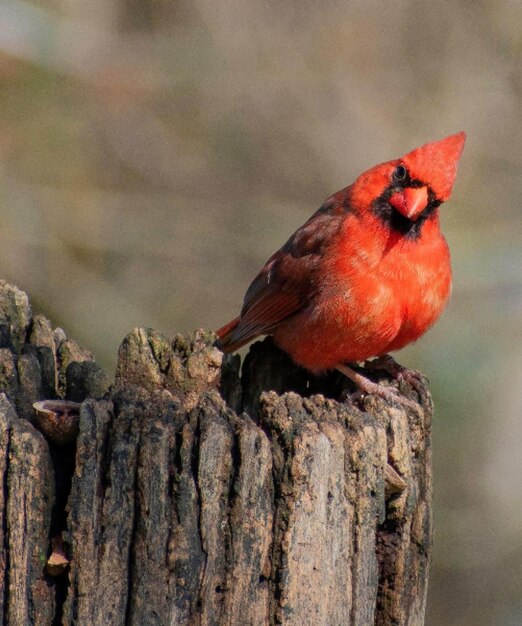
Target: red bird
[(367, 274)]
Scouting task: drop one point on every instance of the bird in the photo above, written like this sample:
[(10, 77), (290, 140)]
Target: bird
[(366, 275)]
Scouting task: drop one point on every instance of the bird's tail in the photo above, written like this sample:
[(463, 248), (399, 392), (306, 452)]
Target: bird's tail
[(225, 337)]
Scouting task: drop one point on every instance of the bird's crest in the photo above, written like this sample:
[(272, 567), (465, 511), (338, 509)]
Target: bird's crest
[(436, 163)]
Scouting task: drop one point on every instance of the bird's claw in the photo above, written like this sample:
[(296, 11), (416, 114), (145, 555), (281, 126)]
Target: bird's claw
[(390, 394), (387, 363), (414, 378), (393, 395), (368, 387)]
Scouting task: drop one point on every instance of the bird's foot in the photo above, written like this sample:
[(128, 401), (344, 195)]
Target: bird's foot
[(367, 386), (387, 363)]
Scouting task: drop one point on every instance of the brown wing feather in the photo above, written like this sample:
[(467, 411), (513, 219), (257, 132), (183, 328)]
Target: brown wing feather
[(288, 281)]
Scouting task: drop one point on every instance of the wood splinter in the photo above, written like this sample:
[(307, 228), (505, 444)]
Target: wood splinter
[(58, 562)]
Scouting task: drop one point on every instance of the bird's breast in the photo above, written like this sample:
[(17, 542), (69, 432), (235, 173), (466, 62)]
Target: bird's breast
[(421, 296), (395, 295), (370, 302)]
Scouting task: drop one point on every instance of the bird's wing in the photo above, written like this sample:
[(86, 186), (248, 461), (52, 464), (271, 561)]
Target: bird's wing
[(288, 282)]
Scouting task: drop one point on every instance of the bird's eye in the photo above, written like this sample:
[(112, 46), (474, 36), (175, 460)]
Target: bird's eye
[(400, 174)]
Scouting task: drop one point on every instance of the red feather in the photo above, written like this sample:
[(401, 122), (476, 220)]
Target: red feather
[(359, 278)]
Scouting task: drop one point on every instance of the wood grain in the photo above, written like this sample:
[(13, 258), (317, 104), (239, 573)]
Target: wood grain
[(199, 495)]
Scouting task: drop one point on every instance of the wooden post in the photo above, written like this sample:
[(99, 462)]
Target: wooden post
[(194, 495)]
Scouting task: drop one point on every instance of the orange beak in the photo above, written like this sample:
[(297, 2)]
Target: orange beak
[(411, 201)]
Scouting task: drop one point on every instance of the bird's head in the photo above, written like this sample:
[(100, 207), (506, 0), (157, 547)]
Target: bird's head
[(404, 192)]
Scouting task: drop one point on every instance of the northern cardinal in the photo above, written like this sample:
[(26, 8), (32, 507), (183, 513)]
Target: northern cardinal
[(367, 274)]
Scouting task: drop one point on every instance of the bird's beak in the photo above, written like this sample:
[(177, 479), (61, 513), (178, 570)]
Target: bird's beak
[(410, 201)]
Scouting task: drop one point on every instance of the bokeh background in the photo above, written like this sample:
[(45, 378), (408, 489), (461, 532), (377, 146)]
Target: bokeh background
[(154, 154)]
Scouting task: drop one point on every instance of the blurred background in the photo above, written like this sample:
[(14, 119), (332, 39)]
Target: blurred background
[(154, 154)]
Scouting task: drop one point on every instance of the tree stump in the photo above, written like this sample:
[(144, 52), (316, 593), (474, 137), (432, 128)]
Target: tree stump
[(188, 492)]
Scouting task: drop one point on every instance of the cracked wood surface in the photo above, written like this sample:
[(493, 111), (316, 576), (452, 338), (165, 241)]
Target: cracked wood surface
[(198, 496)]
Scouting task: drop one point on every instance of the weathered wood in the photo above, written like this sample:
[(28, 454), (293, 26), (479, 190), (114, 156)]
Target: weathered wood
[(198, 496), (26, 504)]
